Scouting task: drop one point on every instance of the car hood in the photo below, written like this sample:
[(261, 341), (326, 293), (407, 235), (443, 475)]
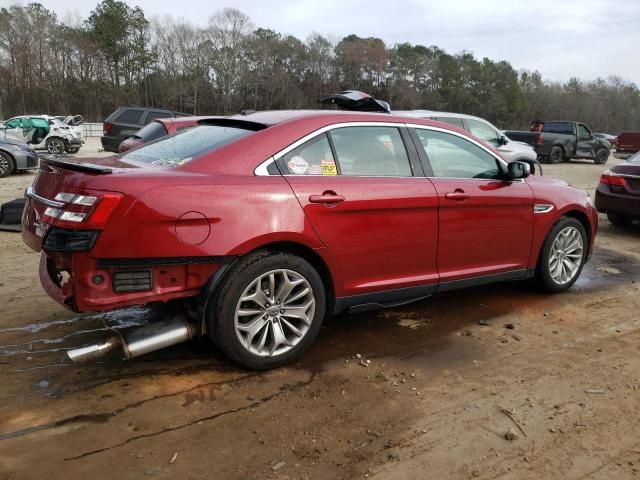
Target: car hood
[(12, 142), (538, 180)]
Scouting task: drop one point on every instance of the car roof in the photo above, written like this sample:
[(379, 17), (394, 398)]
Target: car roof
[(433, 113)]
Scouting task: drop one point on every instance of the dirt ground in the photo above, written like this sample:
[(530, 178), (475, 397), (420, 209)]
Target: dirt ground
[(448, 378)]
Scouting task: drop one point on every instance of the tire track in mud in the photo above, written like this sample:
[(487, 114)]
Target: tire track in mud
[(106, 416), (282, 390)]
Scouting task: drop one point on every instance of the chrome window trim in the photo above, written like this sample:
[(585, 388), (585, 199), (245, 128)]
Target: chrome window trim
[(262, 167)]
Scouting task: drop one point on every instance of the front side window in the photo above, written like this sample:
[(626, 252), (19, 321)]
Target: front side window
[(583, 132), (15, 123), (451, 156), (483, 131), (184, 146), (371, 151)]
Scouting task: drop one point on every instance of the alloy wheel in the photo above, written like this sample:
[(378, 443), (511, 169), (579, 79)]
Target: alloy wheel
[(55, 146), (274, 313), (4, 165), (566, 255)]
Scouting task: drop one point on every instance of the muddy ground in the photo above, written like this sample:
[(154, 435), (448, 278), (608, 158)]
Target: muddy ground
[(447, 379)]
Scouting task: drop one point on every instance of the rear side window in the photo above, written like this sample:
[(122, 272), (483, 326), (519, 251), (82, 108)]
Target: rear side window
[(184, 146), (130, 116), (150, 132), (311, 158), (564, 128), (371, 151), (451, 121), (153, 115), (451, 156)]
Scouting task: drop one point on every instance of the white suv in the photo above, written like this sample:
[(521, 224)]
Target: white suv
[(481, 129), (45, 132)]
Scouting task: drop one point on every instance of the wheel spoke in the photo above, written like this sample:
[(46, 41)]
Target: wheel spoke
[(278, 337), (302, 293), (291, 327), (253, 328)]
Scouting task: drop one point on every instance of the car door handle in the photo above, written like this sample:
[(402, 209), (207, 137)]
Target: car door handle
[(457, 195), (326, 198)]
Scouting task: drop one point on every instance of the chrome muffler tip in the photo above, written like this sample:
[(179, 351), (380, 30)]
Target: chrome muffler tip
[(93, 351)]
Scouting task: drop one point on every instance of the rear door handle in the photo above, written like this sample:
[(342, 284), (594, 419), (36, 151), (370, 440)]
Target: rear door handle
[(457, 195), (327, 198)]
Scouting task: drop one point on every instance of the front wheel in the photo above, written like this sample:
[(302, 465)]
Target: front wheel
[(602, 156), (7, 165), (563, 254), (55, 145), (556, 155), (73, 149), (268, 310)]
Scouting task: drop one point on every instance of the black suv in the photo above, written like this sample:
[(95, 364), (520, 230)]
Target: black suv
[(126, 121)]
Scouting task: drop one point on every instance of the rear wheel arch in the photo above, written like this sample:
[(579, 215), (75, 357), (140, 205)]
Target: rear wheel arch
[(303, 251)]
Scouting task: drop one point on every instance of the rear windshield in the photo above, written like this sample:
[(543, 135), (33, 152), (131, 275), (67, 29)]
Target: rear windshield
[(153, 131), (560, 127), (184, 146)]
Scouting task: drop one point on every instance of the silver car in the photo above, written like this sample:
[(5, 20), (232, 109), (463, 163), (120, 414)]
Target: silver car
[(16, 157), (481, 129)]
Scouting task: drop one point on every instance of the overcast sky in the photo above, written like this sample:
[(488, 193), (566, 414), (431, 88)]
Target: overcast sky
[(559, 38)]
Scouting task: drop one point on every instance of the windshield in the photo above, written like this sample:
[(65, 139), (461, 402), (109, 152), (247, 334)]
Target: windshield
[(186, 145)]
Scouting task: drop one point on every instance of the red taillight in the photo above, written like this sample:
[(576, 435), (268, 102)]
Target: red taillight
[(106, 128), (90, 210), (610, 178)]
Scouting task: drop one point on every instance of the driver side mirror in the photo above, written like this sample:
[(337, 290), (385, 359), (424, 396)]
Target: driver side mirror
[(503, 140), (517, 170)]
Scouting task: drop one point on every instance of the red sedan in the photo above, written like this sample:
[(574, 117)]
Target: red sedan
[(158, 128), (267, 222)]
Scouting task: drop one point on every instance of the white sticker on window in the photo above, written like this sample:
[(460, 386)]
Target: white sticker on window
[(298, 165)]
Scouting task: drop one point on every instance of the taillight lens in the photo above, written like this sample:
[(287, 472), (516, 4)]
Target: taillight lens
[(106, 128), (90, 210), (610, 178)]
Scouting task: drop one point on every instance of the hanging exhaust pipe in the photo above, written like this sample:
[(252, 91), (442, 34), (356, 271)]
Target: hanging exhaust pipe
[(152, 337)]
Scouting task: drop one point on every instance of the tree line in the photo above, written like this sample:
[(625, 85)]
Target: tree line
[(117, 56)]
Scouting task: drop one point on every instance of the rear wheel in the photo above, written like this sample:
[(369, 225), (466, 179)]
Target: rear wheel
[(602, 156), (556, 155), (7, 165), (73, 149), (55, 145), (563, 254), (268, 310), (619, 219)]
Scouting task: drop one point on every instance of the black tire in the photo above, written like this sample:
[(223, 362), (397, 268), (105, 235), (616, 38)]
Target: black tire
[(543, 274), (7, 165), (73, 150), (55, 145), (556, 155), (221, 317), (602, 155), (619, 219)]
